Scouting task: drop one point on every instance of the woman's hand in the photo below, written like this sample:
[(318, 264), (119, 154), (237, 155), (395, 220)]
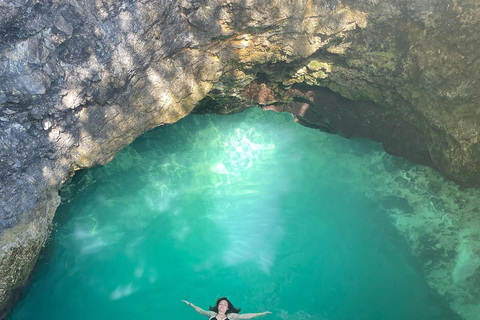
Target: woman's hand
[(186, 302)]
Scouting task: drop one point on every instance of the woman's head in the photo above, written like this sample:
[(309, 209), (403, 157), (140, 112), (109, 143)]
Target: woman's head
[(225, 305)]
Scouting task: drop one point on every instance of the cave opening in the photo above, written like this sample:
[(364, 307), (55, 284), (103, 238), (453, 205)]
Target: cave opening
[(254, 207)]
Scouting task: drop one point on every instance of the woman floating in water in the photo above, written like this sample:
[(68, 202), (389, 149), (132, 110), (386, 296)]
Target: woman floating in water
[(219, 312)]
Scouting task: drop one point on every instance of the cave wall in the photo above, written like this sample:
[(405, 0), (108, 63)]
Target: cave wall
[(79, 80)]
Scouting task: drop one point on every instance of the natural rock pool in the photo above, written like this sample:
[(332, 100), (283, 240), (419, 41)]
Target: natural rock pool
[(252, 206)]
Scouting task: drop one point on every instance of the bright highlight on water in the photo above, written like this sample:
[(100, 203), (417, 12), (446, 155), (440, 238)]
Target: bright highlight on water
[(252, 206)]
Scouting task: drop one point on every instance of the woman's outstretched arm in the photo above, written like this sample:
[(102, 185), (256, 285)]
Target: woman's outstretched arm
[(200, 310), (233, 316)]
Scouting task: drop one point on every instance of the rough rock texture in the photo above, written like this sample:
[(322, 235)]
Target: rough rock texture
[(20, 247), (81, 79)]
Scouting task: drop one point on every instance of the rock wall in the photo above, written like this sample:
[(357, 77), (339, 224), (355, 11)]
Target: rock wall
[(79, 80)]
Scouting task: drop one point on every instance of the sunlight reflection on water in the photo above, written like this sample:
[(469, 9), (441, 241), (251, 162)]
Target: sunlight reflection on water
[(252, 226)]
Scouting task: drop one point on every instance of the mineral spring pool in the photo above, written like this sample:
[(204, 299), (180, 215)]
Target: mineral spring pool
[(251, 206)]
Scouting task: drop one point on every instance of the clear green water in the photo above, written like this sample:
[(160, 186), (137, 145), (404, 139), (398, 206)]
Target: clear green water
[(250, 206)]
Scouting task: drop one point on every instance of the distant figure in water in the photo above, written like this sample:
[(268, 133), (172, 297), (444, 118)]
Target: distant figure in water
[(224, 310)]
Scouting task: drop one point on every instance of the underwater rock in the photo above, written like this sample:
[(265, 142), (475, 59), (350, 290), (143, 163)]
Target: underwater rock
[(397, 203), (79, 80)]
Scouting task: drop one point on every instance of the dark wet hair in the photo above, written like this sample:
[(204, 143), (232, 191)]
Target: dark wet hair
[(231, 307)]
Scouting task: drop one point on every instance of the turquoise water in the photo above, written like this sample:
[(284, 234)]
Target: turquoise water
[(251, 206)]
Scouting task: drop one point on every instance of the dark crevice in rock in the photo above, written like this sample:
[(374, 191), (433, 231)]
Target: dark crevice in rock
[(219, 105)]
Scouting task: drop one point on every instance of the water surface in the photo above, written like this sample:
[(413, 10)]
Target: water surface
[(251, 206)]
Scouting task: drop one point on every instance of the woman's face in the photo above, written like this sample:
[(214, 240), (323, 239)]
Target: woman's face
[(222, 306)]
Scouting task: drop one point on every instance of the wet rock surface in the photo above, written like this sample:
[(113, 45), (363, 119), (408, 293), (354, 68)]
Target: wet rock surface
[(79, 80)]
